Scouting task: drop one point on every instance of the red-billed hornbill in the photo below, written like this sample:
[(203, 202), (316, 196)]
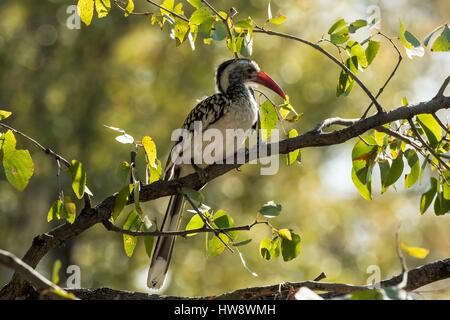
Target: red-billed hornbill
[(232, 107)]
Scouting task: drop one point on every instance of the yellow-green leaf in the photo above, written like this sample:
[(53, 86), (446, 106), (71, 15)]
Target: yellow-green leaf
[(442, 43), (129, 8), (290, 249), (132, 223), (121, 200), (102, 7), (7, 144), (285, 233), (414, 163), (269, 119), (70, 210), (416, 252), (150, 150), (293, 155), (78, 178), (55, 271), (431, 127), (19, 168), (196, 222), (277, 20), (55, 212), (4, 114), (86, 10)]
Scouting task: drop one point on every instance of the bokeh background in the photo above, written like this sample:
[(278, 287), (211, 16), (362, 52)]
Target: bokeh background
[(64, 85)]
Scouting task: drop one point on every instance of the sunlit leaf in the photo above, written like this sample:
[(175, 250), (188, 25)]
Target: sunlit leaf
[(214, 246), (125, 138), (195, 3), (396, 170), (269, 119), (78, 175), (405, 101), (416, 252), (102, 7), (290, 249), (285, 233), (55, 271), (69, 210), (149, 241), (121, 200), (357, 24), (339, 32), (372, 50), (410, 42), (7, 144), (427, 198), (442, 43), (86, 10), (132, 223), (355, 49), (431, 127), (196, 222), (4, 114), (155, 173), (293, 155), (129, 8), (55, 211), (363, 160), (18, 167), (414, 163), (270, 209), (277, 20), (200, 16)]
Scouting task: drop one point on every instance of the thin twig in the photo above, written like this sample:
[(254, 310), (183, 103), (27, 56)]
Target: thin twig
[(170, 11), (121, 4), (37, 144), (259, 29), (443, 126), (430, 149), (443, 87), (225, 21), (111, 227), (380, 91)]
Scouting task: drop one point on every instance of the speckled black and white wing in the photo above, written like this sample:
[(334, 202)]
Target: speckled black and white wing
[(208, 111)]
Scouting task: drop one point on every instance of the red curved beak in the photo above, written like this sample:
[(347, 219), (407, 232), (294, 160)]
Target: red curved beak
[(264, 79)]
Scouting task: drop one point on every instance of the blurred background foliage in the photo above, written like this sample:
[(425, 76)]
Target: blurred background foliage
[(64, 85)]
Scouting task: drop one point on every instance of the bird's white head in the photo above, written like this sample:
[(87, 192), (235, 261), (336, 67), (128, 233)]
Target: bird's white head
[(244, 71)]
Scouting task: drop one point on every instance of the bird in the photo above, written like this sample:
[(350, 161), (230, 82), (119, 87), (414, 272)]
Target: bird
[(233, 106)]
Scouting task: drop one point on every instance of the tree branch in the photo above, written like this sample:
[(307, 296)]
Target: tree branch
[(329, 55), (419, 277), (88, 217), (44, 286)]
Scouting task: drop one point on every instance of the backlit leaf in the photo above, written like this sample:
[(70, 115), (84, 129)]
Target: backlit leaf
[(78, 178), (18, 167), (121, 200), (132, 223), (4, 114), (129, 8), (372, 50), (86, 10), (293, 155), (102, 7), (431, 127), (442, 43), (290, 249), (427, 198), (269, 119), (416, 252), (196, 222), (414, 163)]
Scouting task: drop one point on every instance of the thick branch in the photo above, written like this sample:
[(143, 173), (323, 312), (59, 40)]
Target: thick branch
[(42, 244), (419, 277), (39, 282)]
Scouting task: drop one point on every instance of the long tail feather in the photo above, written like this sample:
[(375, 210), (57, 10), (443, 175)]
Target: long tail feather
[(164, 245)]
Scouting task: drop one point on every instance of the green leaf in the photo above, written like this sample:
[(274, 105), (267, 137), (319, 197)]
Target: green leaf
[(337, 26), (396, 170), (102, 7), (414, 163), (290, 249), (339, 32), (86, 10), (242, 243), (427, 198), (195, 3), (132, 223), (410, 42), (355, 49), (7, 144), (277, 20), (55, 212), (431, 128), (155, 173), (380, 138), (293, 155), (442, 43), (405, 101), (367, 295), (357, 24), (384, 170), (78, 178), (285, 234), (372, 50), (416, 252), (270, 209), (427, 39), (269, 119), (121, 200), (69, 210), (220, 31), (363, 160), (214, 246), (55, 271), (196, 222), (345, 83), (223, 220), (200, 16), (181, 31), (4, 114), (129, 8), (265, 247), (18, 167)]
